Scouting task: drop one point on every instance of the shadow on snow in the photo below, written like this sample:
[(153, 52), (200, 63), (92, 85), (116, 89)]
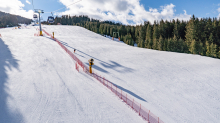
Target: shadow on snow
[(113, 65), (7, 61)]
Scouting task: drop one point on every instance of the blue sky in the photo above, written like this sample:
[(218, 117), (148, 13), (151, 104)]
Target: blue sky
[(200, 8), (125, 11)]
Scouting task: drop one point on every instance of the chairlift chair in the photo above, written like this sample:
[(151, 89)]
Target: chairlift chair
[(34, 16)]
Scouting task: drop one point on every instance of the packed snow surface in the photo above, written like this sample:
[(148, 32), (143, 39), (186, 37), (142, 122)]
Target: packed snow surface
[(39, 83)]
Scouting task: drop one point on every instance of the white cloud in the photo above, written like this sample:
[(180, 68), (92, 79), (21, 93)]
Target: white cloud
[(15, 7), (184, 16), (28, 2), (218, 12), (121, 10)]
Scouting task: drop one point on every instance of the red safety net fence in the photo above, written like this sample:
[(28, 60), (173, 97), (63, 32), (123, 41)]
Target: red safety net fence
[(137, 107)]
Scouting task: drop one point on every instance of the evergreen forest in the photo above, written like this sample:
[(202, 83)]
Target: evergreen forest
[(12, 20), (195, 36)]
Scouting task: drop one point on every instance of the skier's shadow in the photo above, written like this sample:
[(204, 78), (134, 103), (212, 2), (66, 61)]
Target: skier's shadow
[(7, 61)]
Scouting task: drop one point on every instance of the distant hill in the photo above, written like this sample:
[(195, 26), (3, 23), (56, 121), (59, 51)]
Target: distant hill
[(12, 20)]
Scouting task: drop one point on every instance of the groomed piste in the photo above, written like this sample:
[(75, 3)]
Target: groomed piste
[(39, 81)]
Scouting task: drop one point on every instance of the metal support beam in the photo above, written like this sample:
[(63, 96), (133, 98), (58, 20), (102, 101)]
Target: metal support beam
[(39, 11)]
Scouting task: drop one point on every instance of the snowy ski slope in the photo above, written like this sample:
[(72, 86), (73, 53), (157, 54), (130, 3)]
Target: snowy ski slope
[(39, 82)]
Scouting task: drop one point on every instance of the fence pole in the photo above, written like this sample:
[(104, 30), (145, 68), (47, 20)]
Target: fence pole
[(132, 103), (107, 84), (158, 120), (126, 98), (111, 86), (148, 115), (121, 94), (140, 109), (116, 90), (103, 81)]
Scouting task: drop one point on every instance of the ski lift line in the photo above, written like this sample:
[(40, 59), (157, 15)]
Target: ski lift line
[(33, 4), (68, 5), (64, 7)]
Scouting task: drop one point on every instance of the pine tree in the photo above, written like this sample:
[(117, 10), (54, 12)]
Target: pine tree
[(169, 44), (136, 33), (208, 49), (150, 44), (180, 45), (108, 30), (213, 48), (176, 30), (155, 37), (161, 43), (208, 28), (193, 49), (141, 44), (162, 30), (165, 45), (148, 36), (211, 38), (175, 44), (129, 40), (111, 31), (190, 32), (200, 48), (218, 53), (105, 29), (133, 32), (140, 40)]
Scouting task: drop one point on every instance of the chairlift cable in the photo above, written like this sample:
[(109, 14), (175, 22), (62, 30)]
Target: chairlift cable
[(64, 7), (33, 4)]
